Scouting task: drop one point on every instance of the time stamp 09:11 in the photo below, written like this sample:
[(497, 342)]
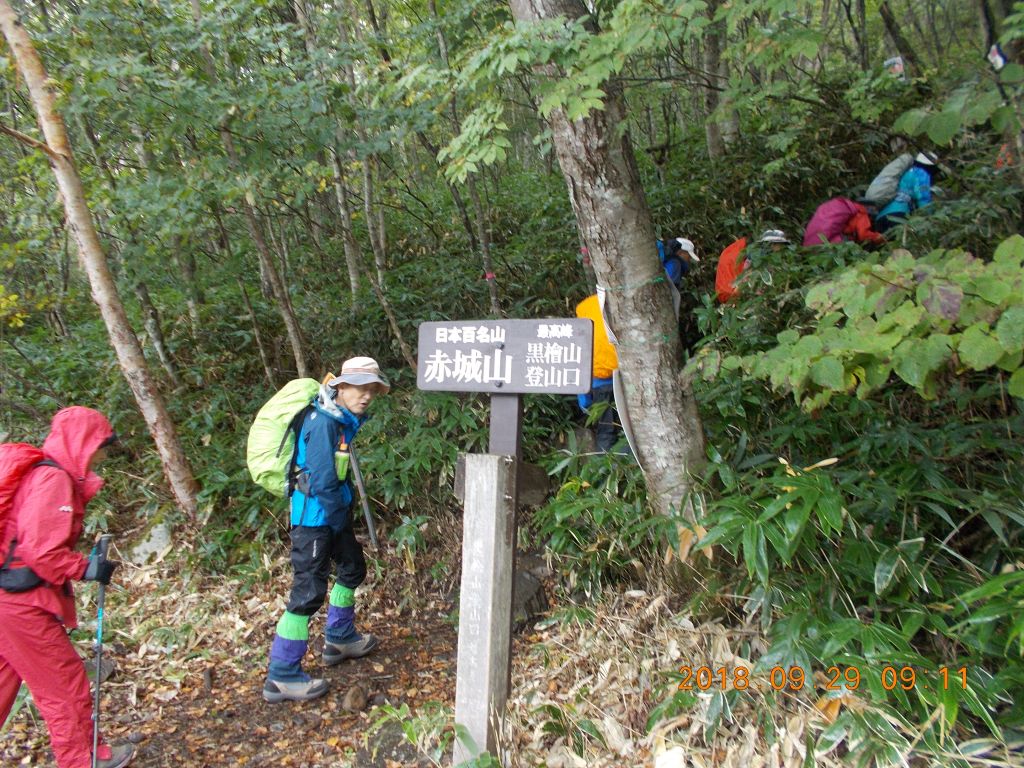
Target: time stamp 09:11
[(836, 678)]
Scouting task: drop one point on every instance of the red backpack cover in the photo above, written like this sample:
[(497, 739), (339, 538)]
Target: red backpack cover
[(16, 459)]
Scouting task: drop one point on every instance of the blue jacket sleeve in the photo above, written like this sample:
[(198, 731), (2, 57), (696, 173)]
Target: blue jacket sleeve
[(334, 495), (921, 188), (675, 269)]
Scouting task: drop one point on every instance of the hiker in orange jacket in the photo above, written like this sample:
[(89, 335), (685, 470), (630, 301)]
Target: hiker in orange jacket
[(733, 261)]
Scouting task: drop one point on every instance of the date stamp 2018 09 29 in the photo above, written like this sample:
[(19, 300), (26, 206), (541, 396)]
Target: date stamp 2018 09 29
[(837, 678)]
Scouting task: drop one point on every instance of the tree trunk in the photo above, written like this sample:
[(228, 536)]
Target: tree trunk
[(460, 204), (604, 188), (371, 223), (151, 318), (713, 66), (280, 244), (267, 267), (857, 18), (485, 247), (407, 355), (268, 370), (353, 253), (122, 337), (186, 264), (911, 64), (375, 237)]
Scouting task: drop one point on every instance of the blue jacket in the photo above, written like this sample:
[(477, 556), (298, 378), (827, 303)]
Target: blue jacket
[(914, 191), (330, 499)]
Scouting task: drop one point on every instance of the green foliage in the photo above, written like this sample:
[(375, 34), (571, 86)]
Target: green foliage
[(409, 539), (904, 551), (923, 319), (598, 524), (889, 547), (430, 730), (21, 700), (563, 722)]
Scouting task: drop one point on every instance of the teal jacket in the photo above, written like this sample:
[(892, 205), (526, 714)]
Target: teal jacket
[(914, 191), (330, 498)]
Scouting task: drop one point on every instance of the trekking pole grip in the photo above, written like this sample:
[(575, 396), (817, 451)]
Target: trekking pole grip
[(101, 548)]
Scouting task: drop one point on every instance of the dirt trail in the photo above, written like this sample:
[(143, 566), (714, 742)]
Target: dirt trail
[(201, 705)]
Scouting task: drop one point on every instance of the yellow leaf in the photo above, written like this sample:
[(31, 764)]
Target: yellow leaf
[(687, 538), (829, 708), (822, 463)]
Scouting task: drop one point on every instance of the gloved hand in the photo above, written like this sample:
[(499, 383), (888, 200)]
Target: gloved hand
[(100, 570)]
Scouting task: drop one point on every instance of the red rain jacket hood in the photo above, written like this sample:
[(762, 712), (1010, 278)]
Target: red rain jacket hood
[(76, 433), (49, 507)]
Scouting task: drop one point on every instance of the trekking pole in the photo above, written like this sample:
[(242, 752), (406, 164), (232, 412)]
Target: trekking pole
[(358, 477), (102, 547)]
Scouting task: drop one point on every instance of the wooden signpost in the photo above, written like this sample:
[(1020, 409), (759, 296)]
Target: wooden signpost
[(505, 359)]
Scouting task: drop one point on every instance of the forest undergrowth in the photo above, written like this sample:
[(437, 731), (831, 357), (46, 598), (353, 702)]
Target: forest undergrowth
[(851, 589)]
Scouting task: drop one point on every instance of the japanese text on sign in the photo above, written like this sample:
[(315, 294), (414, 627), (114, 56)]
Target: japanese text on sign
[(510, 356)]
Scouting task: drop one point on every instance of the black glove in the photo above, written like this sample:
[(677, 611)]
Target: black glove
[(100, 570)]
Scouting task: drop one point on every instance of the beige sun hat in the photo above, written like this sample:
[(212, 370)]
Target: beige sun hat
[(358, 371)]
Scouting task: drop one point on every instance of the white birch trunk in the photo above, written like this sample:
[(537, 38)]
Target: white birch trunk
[(90, 253)]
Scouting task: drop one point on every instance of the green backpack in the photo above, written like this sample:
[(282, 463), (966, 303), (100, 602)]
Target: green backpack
[(270, 451)]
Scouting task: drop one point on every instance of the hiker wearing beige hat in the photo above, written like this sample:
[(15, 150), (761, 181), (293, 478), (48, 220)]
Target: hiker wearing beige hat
[(322, 533)]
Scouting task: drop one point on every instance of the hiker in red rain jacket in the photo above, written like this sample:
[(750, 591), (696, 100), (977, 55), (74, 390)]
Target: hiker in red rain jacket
[(43, 527), (841, 219)]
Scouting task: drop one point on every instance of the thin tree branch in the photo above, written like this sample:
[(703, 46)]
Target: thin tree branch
[(42, 146)]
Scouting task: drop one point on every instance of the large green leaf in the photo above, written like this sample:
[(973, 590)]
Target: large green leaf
[(942, 126), (1015, 386), (1003, 118), (1012, 74), (1010, 251), (981, 107), (941, 298), (915, 359), (910, 121), (978, 348), (828, 373), (1010, 329)]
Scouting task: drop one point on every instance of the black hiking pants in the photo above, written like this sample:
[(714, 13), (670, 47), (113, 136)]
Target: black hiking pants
[(313, 549)]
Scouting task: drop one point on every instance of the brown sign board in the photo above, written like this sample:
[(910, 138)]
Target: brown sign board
[(547, 356)]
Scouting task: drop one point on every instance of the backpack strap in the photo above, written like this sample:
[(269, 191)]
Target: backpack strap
[(295, 428)]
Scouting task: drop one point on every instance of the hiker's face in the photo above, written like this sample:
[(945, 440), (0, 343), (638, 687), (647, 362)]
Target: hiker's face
[(356, 397), (100, 455)]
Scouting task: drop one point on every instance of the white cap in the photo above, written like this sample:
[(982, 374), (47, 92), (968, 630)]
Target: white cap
[(688, 246), (926, 158), (773, 236)]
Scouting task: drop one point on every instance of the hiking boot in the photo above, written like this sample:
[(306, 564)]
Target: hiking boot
[(335, 653), (276, 691), (116, 757)]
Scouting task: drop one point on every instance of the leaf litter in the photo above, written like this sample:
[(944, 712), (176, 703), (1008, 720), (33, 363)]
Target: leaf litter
[(191, 652)]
